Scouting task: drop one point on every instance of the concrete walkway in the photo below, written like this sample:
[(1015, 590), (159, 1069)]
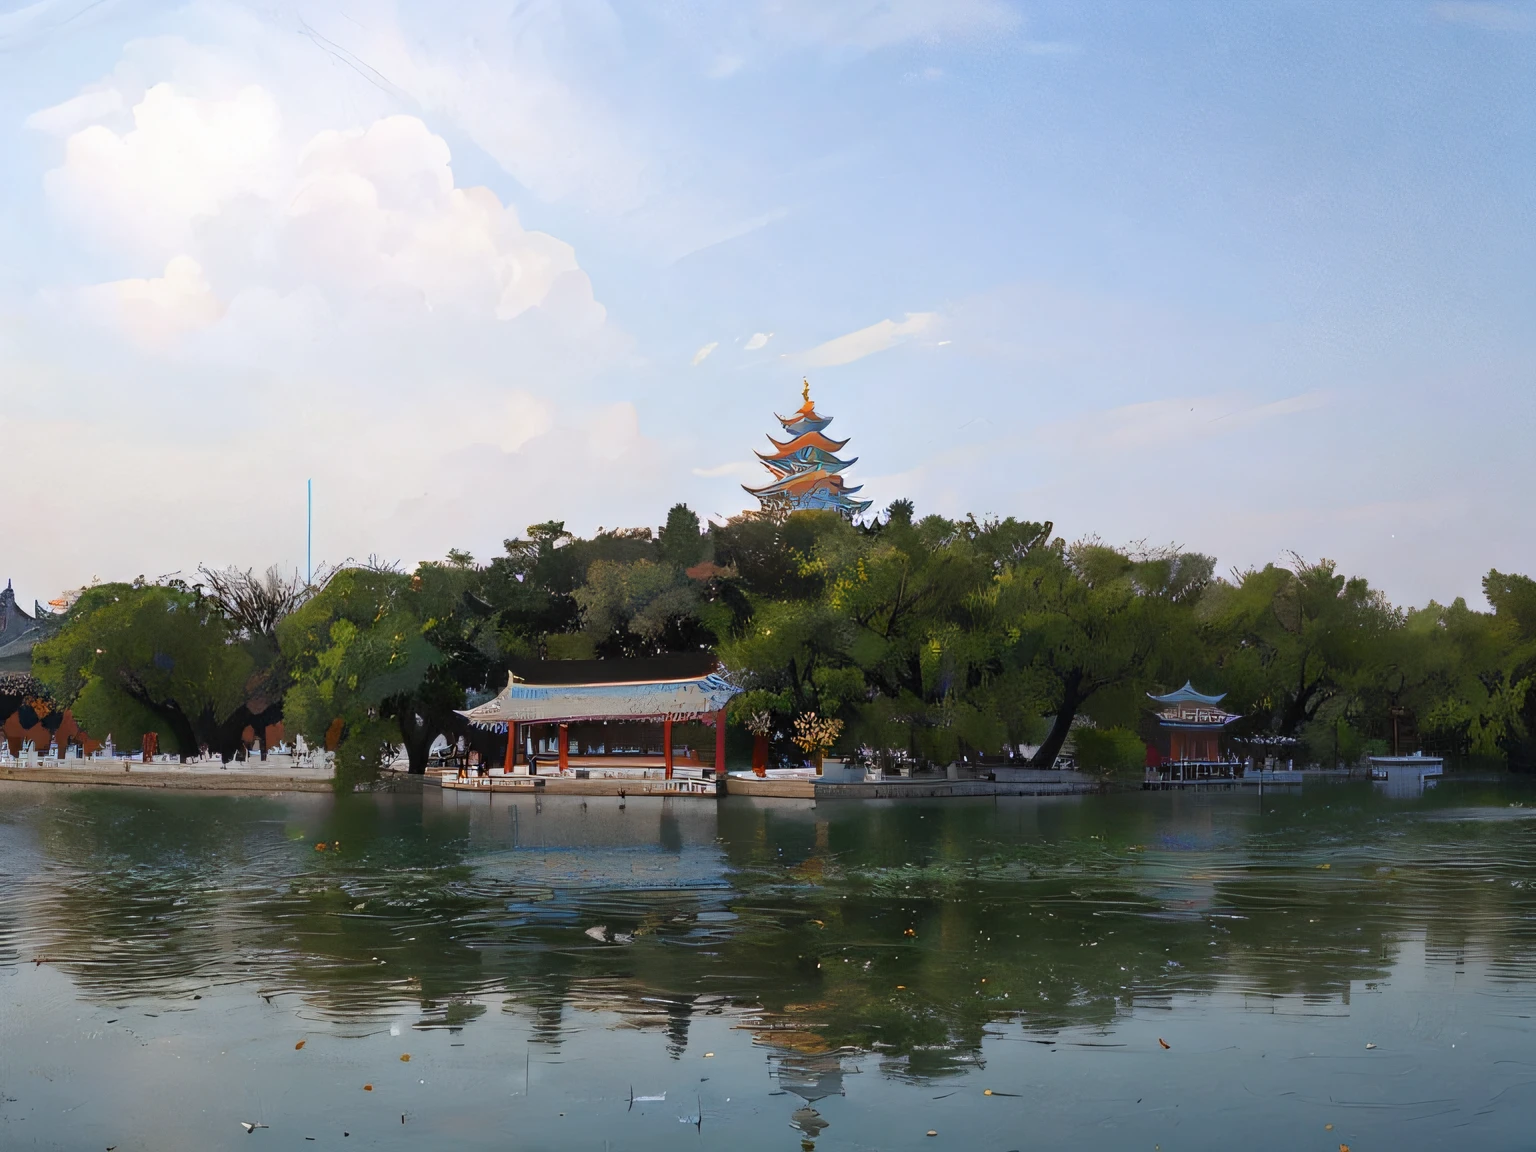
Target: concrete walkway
[(250, 776)]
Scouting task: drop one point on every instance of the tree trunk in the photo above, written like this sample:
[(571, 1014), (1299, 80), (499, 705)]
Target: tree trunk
[(416, 734), (1072, 698)]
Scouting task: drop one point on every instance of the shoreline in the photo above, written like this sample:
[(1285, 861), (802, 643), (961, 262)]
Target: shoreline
[(201, 778)]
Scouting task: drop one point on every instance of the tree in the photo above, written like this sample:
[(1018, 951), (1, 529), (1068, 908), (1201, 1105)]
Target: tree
[(358, 654), (1288, 641), (1090, 618), (136, 658)]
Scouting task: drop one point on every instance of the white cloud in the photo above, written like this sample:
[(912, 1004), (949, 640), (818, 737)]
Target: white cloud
[(703, 353), (758, 340), (527, 417), (360, 214), (1488, 17), (153, 313), (867, 341), (185, 158), (1177, 420), (868, 25), (735, 468)]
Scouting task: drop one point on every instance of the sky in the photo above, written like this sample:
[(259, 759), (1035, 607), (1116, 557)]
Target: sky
[(1258, 280)]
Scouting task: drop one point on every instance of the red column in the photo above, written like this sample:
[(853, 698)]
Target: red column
[(760, 754), (565, 747), (720, 742), (511, 747), (666, 745)]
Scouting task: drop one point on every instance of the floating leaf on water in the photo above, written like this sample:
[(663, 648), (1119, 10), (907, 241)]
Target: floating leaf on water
[(405, 1057), (320, 847), (1324, 867), (300, 1044), (932, 1132), (1164, 1043), (1327, 1127), (1368, 1047), (709, 1055), (367, 1087)]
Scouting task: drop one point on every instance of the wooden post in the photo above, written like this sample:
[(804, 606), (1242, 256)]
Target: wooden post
[(565, 747), (760, 754), (511, 747), (666, 745), (720, 742)]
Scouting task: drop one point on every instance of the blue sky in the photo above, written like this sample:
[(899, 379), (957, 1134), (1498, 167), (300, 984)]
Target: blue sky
[(1255, 279)]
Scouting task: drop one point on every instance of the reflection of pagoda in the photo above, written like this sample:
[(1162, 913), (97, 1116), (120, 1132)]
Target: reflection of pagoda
[(806, 470)]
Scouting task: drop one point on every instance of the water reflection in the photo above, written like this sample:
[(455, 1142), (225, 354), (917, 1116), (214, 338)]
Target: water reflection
[(903, 930)]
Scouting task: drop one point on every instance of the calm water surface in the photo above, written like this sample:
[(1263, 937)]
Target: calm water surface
[(1147, 971)]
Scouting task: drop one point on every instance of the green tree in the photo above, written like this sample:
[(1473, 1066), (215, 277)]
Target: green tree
[(1090, 619), (359, 655), (163, 658)]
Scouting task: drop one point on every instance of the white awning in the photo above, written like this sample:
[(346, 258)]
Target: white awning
[(521, 703)]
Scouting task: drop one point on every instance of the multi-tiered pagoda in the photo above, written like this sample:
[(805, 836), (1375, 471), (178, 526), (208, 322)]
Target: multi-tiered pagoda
[(806, 470)]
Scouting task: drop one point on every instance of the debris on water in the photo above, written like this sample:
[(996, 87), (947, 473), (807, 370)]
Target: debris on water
[(359, 907), (1324, 867), (1164, 1043), (932, 1132), (300, 1044), (1327, 1127), (1368, 1047), (599, 933), (367, 1087), (990, 1092), (320, 847), (405, 1057), (250, 1127), (910, 932), (709, 1055), (946, 1096)]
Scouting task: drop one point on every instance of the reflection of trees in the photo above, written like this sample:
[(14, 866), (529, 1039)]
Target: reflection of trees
[(1049, 915)]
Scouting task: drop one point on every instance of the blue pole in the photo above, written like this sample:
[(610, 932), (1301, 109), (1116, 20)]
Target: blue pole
[(309, 534)]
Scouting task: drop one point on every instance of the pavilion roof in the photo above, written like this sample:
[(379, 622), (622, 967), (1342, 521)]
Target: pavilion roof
[(678, 699), (1188, 695)]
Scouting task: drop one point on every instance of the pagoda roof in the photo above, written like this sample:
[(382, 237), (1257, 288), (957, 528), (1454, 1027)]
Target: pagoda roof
[(1188, 695), (797, 483), (798, 425), (673, 699), (811, 439), (784, 466)]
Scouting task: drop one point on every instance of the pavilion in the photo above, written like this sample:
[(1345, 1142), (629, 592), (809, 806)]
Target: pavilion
[(1190, 723), (609, 717)]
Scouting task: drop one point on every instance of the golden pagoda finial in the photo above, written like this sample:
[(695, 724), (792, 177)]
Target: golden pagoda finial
[(806, 392)]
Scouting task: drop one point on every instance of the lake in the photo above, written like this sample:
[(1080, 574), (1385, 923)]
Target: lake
[(1142, 971)]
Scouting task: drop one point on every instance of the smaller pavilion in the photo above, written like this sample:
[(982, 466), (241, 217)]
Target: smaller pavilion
[(1190, 723), (598, 722)]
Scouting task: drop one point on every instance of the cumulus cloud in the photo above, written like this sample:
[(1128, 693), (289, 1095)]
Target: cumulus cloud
[(867, 341), (372, 212), (758, 340), (703, 353), (304, 299), (154, 312), (185, 158)]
